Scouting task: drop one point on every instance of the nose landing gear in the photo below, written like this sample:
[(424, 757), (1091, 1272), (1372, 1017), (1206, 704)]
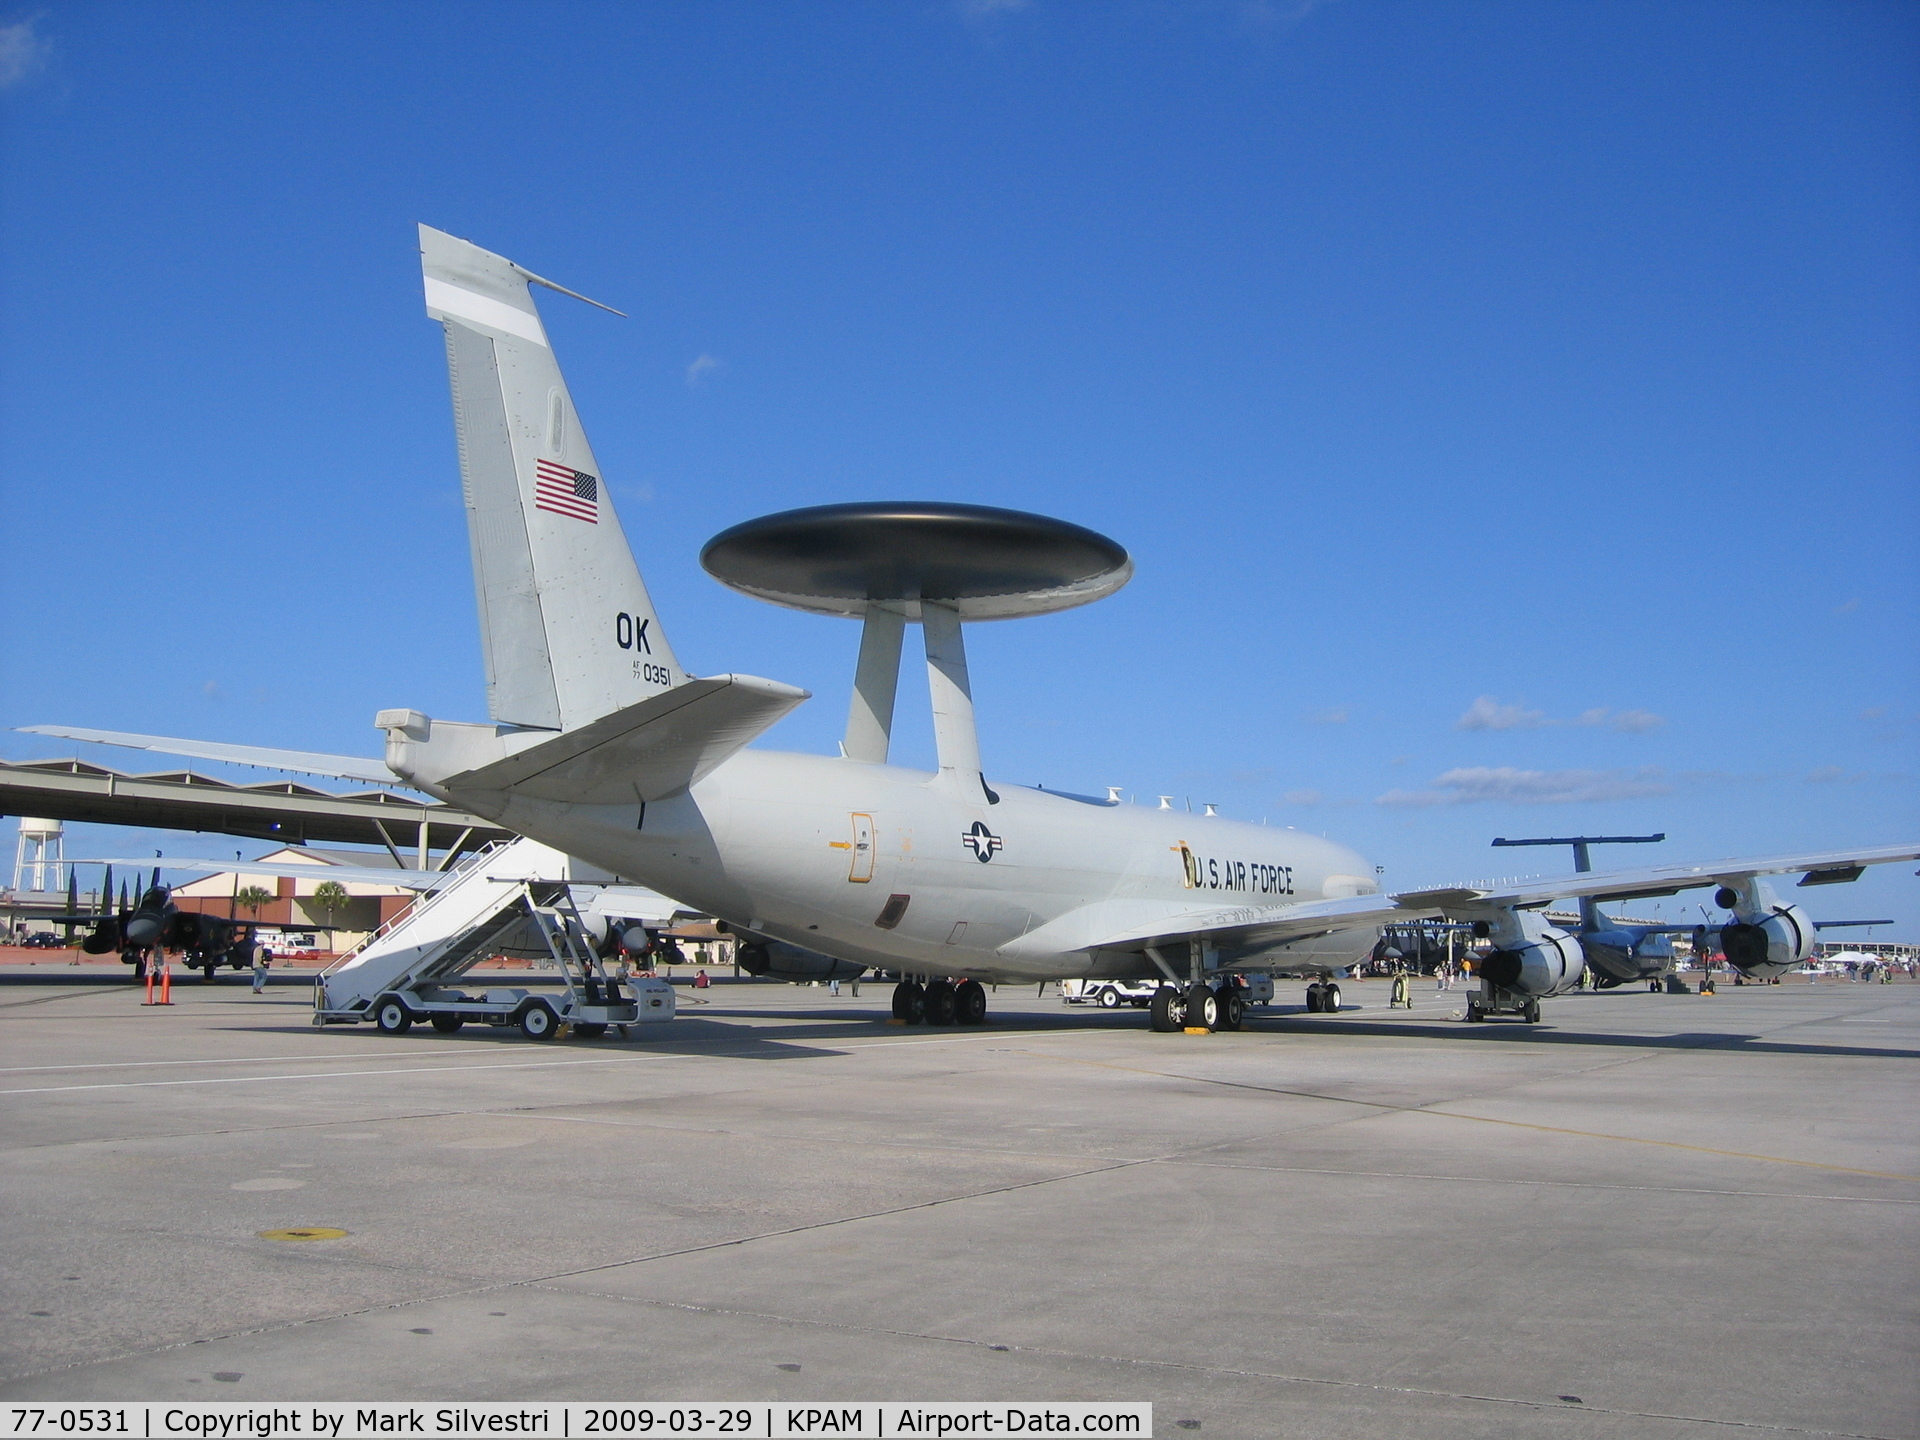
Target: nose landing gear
[(1323, 998), (1197, 1010)]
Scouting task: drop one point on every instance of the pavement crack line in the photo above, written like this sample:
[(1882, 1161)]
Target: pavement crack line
[(502, 1065), (1051, 1353), (1554, 1184), (49, 999), (1388, 1107)]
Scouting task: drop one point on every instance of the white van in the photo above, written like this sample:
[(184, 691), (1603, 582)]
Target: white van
[(1111, 994)]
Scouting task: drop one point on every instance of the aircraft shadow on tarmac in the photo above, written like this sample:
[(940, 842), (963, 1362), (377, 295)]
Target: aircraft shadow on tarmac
[(745, 1044), (832, 1025), (837, 1027)]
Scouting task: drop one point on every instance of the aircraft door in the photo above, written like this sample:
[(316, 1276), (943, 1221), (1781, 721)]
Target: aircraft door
[(860, 869)]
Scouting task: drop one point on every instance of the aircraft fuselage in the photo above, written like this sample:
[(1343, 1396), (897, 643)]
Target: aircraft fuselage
[(888, 866)]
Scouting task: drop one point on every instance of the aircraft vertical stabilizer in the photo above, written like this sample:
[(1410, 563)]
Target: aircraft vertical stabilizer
[(566, 625)]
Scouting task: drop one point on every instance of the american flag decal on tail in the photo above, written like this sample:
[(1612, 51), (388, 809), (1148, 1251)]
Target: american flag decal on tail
[(567, 492)]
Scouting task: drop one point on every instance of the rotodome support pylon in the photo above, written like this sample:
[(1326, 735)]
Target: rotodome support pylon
[(943, 565)]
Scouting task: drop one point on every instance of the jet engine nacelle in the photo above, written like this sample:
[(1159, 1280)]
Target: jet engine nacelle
[(1530, 956), (1763, 939), (1549, 965), (777, 960)]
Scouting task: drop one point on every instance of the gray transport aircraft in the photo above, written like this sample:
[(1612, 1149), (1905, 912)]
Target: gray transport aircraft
[(601, 745)]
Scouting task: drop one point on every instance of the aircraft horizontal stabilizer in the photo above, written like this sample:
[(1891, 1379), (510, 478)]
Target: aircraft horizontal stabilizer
[(300, 762), (643, 752)]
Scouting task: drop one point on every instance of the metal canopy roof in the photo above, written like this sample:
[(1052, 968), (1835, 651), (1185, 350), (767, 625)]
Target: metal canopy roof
[(282, 810), (990, 564)]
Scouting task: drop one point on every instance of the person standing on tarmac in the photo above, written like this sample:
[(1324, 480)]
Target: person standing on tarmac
[(262, 958)]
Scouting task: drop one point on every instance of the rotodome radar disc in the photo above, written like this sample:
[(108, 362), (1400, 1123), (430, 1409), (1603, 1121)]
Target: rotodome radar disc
[(990, 564)]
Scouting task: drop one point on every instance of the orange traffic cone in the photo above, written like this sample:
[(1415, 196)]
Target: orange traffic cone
[(166, 984)]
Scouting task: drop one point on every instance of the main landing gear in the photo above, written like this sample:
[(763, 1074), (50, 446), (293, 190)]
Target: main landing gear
[(1197, 1008), (940, 1002)]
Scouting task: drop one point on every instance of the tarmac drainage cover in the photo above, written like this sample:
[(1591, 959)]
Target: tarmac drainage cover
[(305, 1232)]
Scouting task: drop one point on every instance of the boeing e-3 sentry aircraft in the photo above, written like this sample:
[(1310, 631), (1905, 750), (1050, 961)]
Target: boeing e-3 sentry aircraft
[(601, 745)]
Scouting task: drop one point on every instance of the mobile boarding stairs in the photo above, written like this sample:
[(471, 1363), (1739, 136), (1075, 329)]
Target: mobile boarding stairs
[(513, 901)]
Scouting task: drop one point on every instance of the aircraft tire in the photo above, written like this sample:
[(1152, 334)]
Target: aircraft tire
[(447, 1024), (1203, 1008), (206, 972), (909, 1002), (1531, 1012), (391, 1017), (1314, 992), (1109, 999), (940, 1006), (1330, 999), (1473, 1012), (970, 1003), (538, 1022), (1167, 1010), (1233, 1010)]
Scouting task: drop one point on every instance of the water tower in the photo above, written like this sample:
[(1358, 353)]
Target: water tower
[(41, 858)]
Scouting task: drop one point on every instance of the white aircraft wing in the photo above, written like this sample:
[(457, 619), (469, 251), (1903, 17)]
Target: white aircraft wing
[(1824, 867), (1134, 925), (633, 902), (302, 762), (358, 874)]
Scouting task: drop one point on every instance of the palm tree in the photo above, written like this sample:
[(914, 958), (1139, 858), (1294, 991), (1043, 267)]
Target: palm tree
[(251, 899), (330, 895)]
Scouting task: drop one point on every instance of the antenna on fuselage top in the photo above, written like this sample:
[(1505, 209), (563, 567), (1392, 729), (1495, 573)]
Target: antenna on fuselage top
[(889, 564)]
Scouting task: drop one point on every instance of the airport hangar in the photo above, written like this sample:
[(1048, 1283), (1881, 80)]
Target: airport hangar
[(415, 832)]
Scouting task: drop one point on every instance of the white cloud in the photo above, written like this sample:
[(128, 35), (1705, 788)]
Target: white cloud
[(701, 368), (1338, 715), (1302, 797), (1874, 712), (1638, 722), (1830, 775), (1848, 608), (21, 51), (1504, 785), (1487, 713)]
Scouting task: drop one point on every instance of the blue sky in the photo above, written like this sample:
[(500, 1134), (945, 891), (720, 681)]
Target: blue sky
[(1511, 409)]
